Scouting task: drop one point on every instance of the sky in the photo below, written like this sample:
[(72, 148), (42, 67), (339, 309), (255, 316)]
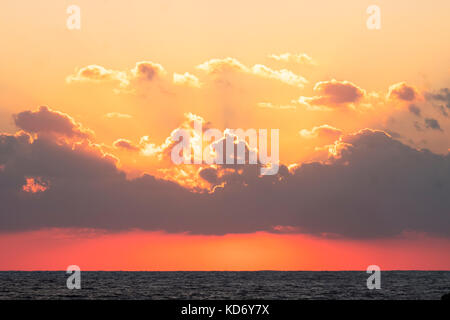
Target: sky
[(89, 116)]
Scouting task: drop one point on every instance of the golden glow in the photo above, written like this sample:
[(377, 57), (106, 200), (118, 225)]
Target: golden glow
[(138, 70), (55, 249)]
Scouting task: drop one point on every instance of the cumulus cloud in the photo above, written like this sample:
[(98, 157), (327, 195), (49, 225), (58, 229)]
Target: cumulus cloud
[(147, 71), (402, 91), (148, 74), (228, 65), (371, 186), (163, 151), (143, 72), (186, 79), (46, 121), (207, 146), (323, 131), (98, 73), (283, 75), (332, 94)]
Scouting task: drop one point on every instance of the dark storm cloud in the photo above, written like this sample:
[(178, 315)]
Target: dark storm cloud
[(377, 187)]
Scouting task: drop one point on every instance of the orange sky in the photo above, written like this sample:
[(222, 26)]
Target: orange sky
[(138, 70), (154, 251)]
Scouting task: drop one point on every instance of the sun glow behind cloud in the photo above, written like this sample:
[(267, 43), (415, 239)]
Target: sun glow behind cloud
[(363, 118)]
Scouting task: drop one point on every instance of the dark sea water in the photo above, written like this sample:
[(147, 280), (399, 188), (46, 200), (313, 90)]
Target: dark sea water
[(225, 285)]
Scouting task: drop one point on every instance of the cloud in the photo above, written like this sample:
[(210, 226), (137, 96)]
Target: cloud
[(431, 123), (147, 71), (339, 92), (118, 115), (371, 186), (229, 65), (442, 98), (269, 105), (98, 73), (414, 110), (186, 79), (323, 131), (215, 66), (443, 95), (300, 58), (402, 91), (333, 94), (147, 75), (443, 111), (46, 121), (202, 150), (283, 75), (125, 144), (143, 72), (393, 134), (417, 126)]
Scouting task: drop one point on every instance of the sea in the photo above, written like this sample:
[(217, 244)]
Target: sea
[(267, 285)]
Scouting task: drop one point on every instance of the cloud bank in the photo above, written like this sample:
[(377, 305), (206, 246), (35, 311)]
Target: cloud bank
[(371, 186)]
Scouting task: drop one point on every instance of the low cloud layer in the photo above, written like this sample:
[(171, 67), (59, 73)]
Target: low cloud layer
[(371, 186)]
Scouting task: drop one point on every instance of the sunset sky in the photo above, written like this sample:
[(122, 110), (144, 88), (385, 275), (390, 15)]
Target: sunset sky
[(88, 117)]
